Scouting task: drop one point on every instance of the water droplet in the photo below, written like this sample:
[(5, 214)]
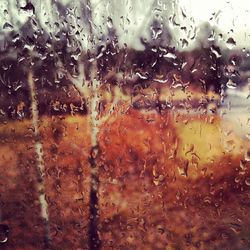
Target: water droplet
[(183, 170), (4, 233), (247, 181), (247, 155), (160, 229), (142, 76), (157, 31), (248, 136), (15, 38), (216, 52), (170, 55), (158, 180), (231, 84), (94, 152), (8, 26), (207, 200), (29, 9), (237, 179), (231, 43), (236, 228), (110, 23), (243, 165), (184, 43)]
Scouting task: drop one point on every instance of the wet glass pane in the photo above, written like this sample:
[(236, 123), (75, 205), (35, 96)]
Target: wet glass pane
[(124, 124)]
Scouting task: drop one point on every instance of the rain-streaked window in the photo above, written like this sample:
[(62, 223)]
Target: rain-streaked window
[(124, 124)]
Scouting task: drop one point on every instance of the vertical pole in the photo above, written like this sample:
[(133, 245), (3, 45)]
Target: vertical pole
[(39, 160), (94, 238)]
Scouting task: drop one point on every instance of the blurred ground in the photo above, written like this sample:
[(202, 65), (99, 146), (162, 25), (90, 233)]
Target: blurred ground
[(167, 181)]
